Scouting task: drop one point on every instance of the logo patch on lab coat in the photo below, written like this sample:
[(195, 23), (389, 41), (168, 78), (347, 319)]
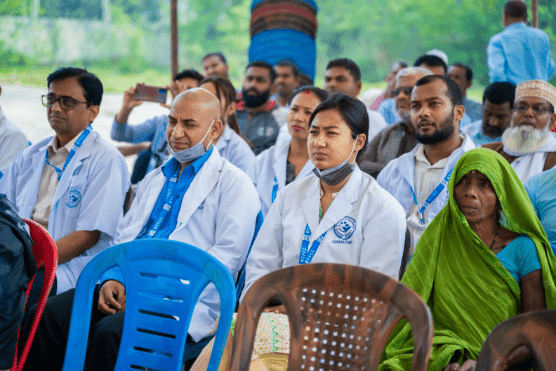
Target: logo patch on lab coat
[(74, 197), (344, 228)]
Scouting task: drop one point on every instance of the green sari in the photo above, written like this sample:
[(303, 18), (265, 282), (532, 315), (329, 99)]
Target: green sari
[(466, 287)]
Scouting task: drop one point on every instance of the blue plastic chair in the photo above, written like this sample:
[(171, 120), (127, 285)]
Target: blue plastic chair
[(163, 281), (193, 350)]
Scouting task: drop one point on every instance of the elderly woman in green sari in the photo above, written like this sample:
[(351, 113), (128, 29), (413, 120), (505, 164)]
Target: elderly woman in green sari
[(483, 259)]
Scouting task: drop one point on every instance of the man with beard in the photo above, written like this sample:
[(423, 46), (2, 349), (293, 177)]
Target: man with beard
[(260, 121), (344, 76), (528, 144), (418, 179), (287, 80), (394, 140), (498, 102)]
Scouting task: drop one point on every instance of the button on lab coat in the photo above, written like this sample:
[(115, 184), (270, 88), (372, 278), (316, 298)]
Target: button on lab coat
[(270, 165), (365, 227), (217, 214), (89, 196)]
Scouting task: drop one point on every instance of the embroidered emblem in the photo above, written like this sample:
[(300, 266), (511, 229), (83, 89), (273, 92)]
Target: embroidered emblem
[(344, 228), (74, 197)]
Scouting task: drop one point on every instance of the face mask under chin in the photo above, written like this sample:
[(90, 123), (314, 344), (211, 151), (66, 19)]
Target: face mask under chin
[(193, 153), (336, 174)]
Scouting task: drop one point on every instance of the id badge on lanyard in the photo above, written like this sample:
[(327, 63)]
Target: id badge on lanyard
[(307, 253), (435, 193), (274, 189), (74, 149)]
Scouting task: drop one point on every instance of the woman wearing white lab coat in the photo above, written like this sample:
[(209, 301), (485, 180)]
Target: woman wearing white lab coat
[(359, 222), (287, 160), (230, 144)]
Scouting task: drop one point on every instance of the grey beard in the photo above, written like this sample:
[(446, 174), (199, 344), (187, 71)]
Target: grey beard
[(525, 140)]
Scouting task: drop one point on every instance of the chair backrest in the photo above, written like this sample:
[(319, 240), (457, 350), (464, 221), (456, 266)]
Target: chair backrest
[(240, 282), (45, 252), (534, 330), (340, 317), (163, 281)]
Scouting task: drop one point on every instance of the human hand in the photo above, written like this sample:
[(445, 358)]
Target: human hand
[(279, 309), (130, 102), (175, 87), (111, 298)]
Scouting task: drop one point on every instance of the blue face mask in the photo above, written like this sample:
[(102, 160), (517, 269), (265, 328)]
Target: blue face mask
[(336, 174), (193, 153)]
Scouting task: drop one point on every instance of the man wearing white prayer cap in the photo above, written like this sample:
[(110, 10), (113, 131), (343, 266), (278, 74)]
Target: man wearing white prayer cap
[(528, 144)]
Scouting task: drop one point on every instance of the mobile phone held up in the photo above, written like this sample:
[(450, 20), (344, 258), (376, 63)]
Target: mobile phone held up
[(151, 93)]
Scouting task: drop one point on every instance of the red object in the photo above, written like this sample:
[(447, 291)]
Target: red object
[(44, 251), (554, 129)]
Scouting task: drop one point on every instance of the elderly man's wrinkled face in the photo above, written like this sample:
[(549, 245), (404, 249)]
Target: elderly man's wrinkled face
[(531, 125), (402, 96), (476, 198)]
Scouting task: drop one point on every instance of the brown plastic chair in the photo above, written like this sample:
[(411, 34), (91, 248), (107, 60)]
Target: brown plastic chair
[(340, 317), (534, 330)]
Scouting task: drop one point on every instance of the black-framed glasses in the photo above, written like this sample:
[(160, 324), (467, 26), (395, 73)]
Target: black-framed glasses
[(66, 103), (538, 109), (407, 91)]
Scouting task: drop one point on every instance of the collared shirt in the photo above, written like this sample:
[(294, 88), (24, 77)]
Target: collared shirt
[(262, 128), (427, 178), (49, 180), (473, 109), (475, 131), (520, 53), (171, 169)]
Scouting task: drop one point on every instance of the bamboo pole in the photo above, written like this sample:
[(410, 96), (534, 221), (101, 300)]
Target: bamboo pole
[(174, 37), (535, 13)]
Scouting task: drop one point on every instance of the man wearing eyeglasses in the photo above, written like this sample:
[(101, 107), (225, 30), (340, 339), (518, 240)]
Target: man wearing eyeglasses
[(528, 144), (399, 138), (73, 183)]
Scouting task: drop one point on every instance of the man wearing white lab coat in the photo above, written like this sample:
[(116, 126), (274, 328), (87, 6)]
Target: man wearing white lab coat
[(74, 183), (215, 210), (418, 179)]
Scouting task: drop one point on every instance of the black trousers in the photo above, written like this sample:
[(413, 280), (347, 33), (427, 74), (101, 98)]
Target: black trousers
[(49, 345)]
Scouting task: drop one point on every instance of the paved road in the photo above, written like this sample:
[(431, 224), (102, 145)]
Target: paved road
[(22, 104)]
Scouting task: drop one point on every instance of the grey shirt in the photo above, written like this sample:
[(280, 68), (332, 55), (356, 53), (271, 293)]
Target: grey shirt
[(262, 130)]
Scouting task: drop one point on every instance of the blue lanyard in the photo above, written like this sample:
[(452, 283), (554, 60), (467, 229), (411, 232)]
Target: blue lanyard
[(274, 189), (167, 206), (306, 254), (76, 146), (439, 188)]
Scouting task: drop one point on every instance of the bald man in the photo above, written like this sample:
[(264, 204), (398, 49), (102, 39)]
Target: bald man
[(213, 206)]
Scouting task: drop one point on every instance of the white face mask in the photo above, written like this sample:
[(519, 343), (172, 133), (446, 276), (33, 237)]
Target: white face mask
[(338, 173), (193, 153)]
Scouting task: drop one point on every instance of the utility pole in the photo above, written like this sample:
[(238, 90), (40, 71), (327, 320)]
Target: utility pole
[(535, 13), (174, 37), (106, 11), (35, 11)]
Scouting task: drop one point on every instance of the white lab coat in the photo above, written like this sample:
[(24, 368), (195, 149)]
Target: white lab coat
[(271, 164), (218, 215), (398, 178), (89, 196), (374, 238), (235, 149)]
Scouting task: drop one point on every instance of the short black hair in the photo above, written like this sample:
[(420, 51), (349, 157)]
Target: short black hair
[(348, 64), (550, 107), (288, 63), (305, 80), (468, 70), (500, 93), (264, 65), (189, 73), (216, 54), (92, 87), (353, 112), (453, 92), (516, 9), (313, 89), (431, 61)]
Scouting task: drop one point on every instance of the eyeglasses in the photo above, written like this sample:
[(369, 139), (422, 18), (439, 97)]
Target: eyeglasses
[(407, 91), (538, 109), (66, 103)]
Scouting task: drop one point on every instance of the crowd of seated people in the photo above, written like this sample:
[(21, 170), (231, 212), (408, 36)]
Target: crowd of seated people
[(337, 180)]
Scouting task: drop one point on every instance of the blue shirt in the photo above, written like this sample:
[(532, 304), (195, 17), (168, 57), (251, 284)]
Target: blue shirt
[(520, 257), (388, 110), (519, 53), (152, 130), (542, 192), (475, 131), (171, 169)]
